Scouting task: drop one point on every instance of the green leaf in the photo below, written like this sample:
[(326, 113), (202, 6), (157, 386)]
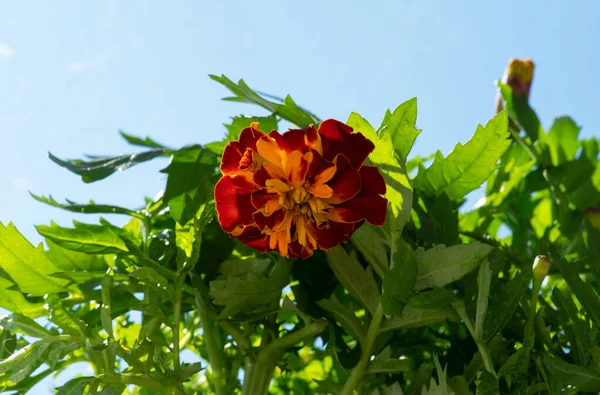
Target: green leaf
[(516, 363), (400, 280), (22, 363), (584, 379), (29, 267), (469, 165), (190, 183), (68, 260), (415, 317), (504, 303), (576, 330), (389, 366), (102, 167), (18, 323), (288, 110), (64, 318), (189, 237), (584, 291), (358, 281), (391, 165), (74, 386), (442, 265), (91, 208), (520, 111), (484, 280), (370, 241), (486, 384), (252, 292), (561, 142), (134, 140), (433, 298), (345, 317), (86, 238), (15, 302), (401, 125)]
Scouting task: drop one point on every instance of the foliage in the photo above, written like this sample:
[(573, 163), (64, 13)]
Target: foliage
[(437, 285)]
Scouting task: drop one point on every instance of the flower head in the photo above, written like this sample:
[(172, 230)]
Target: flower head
[(302, 190)]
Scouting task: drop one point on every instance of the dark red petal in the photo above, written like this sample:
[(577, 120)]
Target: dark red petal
[(334, 130), (234, 151), (271, 221), (233, 204), (329, 238), (260, 198), (254, 238), (372, 181), (346, 184), (314, 165), (296, 139), (372, 208), (355, 147)]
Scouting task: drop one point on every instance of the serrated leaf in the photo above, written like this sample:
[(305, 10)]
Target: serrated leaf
[(505, 303), (18, 323), (90, 208), (576, 330), (400, 280), (584, 291), (401, 123), (345, 317), (27, 266), (15, 302), (359, 282), (415, 317), (486, 384), (250, 293), (287, 110), (562, 140), (433, 298), (520, 111), (87, 238), (146, 142), (584, 379), (102, 167), (442, 265), (64, 318), (190, 182), (399, 189), (188, 238), (484, 280), (74, 386), (67, 260), (369, 240), (24, 361), (389, 365), (469, 165)]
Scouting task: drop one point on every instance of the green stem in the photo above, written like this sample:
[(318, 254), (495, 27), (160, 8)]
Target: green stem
[(177, 319), (483, 351), (237, 335), (211, 338), (260, 371), (359, 370)]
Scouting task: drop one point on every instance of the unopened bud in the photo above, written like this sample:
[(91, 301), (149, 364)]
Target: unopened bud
[(593, 215), (519, 76), (541, 267)]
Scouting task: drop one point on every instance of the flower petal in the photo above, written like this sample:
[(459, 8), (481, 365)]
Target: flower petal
[(372, 208), (267, 148), (267, 202), (295, 168), (345, 185), (233, 203), (327, 238), (234, 151), (254, 238), (338, 139), (372, 181), (302, 140)]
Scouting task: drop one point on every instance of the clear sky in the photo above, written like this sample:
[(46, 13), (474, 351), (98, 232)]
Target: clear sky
[(73, 73)]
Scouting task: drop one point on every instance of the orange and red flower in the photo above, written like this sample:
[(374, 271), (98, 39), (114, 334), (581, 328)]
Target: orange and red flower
[(300, 190)]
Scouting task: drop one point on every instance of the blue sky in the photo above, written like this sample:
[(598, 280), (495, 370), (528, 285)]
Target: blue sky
[(73, 74)]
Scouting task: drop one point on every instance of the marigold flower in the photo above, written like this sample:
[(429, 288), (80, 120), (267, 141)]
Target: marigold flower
[(300, 190)]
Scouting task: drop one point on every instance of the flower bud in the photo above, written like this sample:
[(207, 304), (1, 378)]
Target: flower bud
[(518, 75), (541, 267)]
